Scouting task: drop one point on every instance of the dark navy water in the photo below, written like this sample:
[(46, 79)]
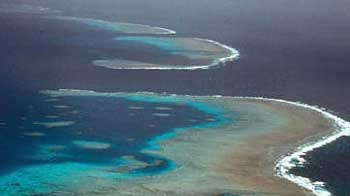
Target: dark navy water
[(125, 125), (329, 164), (293, 50)]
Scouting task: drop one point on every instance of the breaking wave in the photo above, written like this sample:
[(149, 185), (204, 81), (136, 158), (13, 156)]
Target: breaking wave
[(292, 160), (295, 159)]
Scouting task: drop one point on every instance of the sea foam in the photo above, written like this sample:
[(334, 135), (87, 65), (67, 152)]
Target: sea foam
[(295, 159), (120, 27), (233, 55), (286, 163)]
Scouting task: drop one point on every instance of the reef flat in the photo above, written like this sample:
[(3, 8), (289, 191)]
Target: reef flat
[(181, 53), (234, 155), (197, 53), (118, 27), (92, 136), (131, 45)]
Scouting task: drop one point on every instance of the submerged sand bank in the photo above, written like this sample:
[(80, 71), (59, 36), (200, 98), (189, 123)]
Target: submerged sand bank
[(235, 157), (257, 155), (119, 27), (200, 54), (240, 158)]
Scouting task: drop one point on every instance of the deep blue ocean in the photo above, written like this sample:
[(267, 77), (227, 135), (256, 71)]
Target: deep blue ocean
[(329, 164), (289, 50)]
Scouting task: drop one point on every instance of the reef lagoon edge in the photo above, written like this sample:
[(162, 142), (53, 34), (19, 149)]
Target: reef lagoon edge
[(226, 54), (250, 156)]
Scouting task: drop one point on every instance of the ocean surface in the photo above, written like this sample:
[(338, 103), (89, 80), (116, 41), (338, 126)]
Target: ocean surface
[(123, 126), (328, 164), (293, 50), (52, 141)]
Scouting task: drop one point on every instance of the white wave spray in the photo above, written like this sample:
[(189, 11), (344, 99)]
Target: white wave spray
[(292, 160), (234, 55)]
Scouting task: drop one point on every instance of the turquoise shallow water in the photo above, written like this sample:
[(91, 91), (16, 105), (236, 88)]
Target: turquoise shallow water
[(104, 25), (166, 44), (98, 24), (116, 27), (20, 71), (62, 142)]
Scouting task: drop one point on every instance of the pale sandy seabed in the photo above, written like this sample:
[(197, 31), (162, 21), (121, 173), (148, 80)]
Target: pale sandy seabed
[(201, 53), (210, 53), (249, 154), (127, 28), (237, 157)]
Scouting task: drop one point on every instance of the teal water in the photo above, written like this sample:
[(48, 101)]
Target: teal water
[(169, 45), (61, 142), (104, 25), (116, 27), (97, 24)]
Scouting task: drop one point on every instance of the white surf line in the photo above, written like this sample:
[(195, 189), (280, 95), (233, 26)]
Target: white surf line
[(84, 20), (292, 160), (173, 67), (168, 31), (234, 53), (234, 56)]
